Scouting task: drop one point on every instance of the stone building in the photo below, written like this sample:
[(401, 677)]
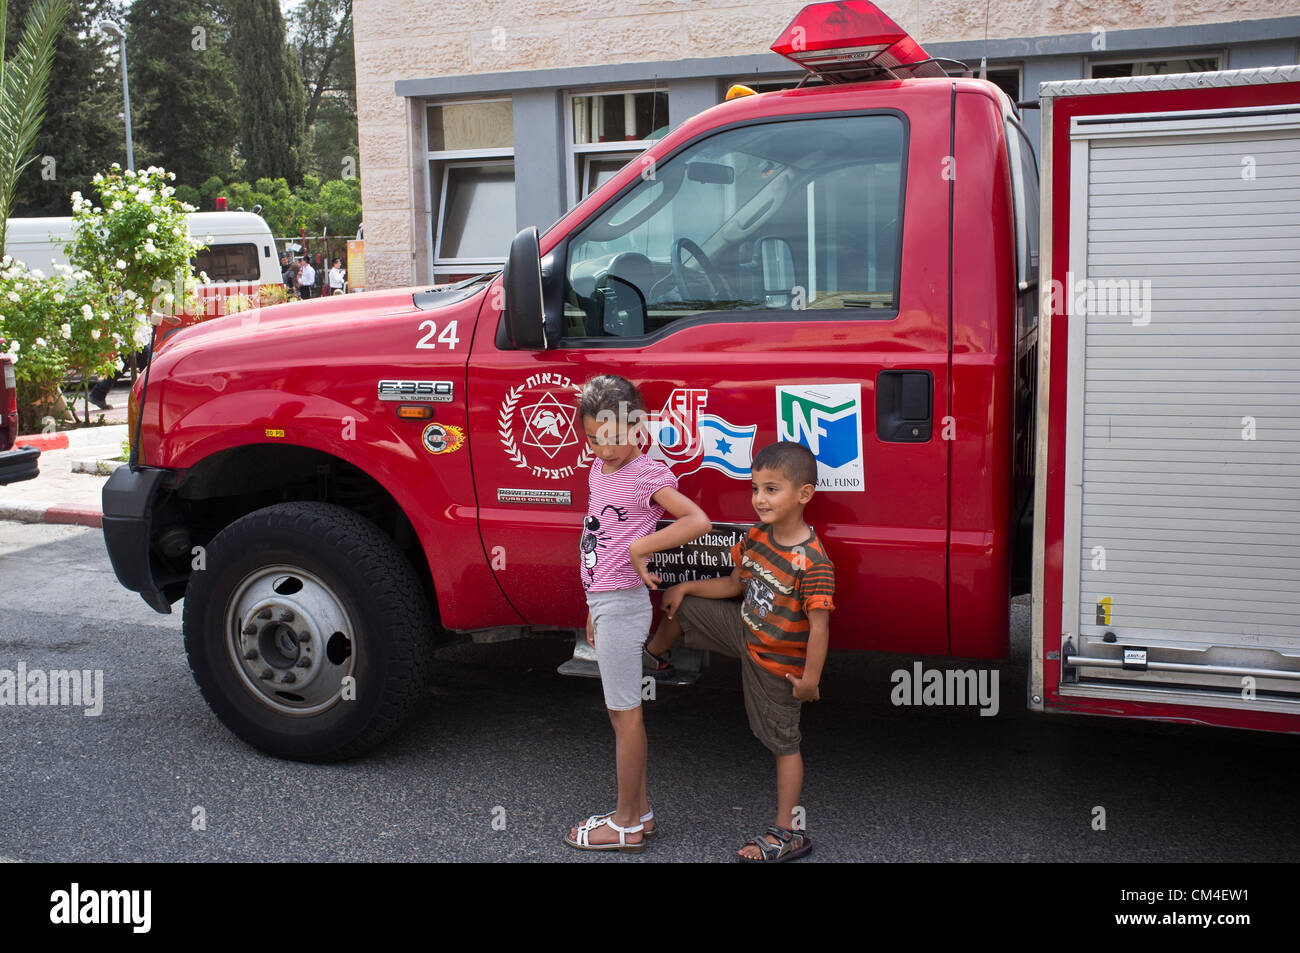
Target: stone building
[(478, 117)]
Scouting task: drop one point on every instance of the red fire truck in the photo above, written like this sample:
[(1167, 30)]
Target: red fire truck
[(854, 265)]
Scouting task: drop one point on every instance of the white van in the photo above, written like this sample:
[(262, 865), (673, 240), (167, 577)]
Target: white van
[(241, 247)]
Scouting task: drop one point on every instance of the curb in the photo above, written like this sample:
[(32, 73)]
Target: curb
[(51, 513), (68, 439)]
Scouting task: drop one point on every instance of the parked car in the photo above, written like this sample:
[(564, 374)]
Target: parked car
[(20, 464)]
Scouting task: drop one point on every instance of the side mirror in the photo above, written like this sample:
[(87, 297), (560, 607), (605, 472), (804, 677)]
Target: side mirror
[(522, 282)]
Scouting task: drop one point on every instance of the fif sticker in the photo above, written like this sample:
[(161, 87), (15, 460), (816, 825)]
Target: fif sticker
[(827, 419), (686, 439), (443, 438)]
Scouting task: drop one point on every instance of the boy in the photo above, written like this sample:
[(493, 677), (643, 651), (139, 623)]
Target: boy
[(779, 631)]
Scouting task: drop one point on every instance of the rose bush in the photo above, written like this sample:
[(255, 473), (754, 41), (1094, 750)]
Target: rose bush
[(50, 325)]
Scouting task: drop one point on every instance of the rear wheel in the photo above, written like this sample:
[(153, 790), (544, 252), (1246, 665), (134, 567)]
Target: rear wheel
[(308, 632)]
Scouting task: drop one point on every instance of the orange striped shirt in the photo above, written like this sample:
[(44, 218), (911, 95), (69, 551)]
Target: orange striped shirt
[(782, 583)]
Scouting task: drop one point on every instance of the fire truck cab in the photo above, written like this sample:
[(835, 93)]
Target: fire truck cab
[(852, 264)]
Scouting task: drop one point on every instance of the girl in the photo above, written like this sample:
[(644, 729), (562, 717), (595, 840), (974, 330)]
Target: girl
[(629, 492)]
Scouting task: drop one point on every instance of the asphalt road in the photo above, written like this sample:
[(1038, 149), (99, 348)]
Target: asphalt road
[(500, 736)]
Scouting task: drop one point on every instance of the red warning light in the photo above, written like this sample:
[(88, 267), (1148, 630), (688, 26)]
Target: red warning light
[(852, 40)]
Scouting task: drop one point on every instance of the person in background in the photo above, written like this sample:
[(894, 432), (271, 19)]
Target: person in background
[(100, 389), (337, 277), (306, 279)]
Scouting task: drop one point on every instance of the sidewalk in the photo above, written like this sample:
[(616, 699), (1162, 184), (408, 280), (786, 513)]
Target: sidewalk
[(69, 490)]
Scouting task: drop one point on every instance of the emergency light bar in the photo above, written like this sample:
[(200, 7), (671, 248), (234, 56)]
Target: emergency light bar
[(852, 40)]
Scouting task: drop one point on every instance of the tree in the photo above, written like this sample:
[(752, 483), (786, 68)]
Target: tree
[(321, 35), (269, 92), (182, 98), (83, 131), (24, 79)]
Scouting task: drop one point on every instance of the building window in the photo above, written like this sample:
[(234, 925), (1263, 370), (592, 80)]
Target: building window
[(607, 130), (471, 186), (1005, 78), (1154, 66), (769, 84)]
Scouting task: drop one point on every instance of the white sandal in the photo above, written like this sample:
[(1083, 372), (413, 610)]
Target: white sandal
[(647, 816), (596, 820)]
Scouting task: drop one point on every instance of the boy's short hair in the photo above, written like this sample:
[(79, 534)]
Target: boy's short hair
[(793, 461), (608, 396)]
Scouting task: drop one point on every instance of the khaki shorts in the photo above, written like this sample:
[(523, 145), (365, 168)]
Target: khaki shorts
[(715, 624)]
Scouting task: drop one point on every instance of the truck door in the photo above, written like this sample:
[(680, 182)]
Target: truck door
[(757, 284)]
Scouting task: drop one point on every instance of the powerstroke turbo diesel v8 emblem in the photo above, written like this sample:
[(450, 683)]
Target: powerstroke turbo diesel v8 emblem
[(538, 427), (431, 392)]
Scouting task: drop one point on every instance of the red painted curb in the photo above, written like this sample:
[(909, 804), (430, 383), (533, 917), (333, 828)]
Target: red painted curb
[(43, 441), (74, 515)]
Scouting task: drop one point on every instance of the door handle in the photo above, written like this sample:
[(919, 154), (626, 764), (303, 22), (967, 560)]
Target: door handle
[(904, 406)]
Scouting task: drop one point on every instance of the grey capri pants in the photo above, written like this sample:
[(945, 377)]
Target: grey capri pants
[(621, 623)]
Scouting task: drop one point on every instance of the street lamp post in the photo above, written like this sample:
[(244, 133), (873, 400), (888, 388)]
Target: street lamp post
[(113, 29)]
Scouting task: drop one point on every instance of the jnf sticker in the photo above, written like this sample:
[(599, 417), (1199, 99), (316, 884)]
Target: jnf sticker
[(443, 438), (827, 419)]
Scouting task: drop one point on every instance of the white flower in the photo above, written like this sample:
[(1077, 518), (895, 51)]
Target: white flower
[(117, 205), (137, 256), (5, 260), (144, 195), (40, 342), (121, 265), (37, 273), (94, 333), (176, 232), (76, 196), (169, 297), (151, 227), (149, 247), (13, 296), (65, 331), (58, 297)]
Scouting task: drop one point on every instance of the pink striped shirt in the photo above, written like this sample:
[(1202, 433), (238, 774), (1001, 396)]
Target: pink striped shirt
[(619, 510)]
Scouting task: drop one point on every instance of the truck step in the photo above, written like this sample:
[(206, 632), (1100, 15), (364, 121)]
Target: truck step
[(688, 664)]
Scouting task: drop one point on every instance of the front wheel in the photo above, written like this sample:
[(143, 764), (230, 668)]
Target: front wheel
[(308, 632)]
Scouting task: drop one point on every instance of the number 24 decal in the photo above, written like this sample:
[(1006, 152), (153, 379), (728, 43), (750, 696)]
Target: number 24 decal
[(447, 337)]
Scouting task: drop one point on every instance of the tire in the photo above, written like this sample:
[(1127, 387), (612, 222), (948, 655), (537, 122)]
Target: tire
[(308, 594)]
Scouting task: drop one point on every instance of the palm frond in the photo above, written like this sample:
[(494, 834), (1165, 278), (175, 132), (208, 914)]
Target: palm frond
[(24, 81)]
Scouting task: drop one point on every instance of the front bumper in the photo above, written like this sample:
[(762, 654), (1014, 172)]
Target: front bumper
[(129, 497), (18, 465)]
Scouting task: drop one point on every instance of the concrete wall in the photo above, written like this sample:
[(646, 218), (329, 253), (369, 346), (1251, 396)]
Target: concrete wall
[(406, 40)]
